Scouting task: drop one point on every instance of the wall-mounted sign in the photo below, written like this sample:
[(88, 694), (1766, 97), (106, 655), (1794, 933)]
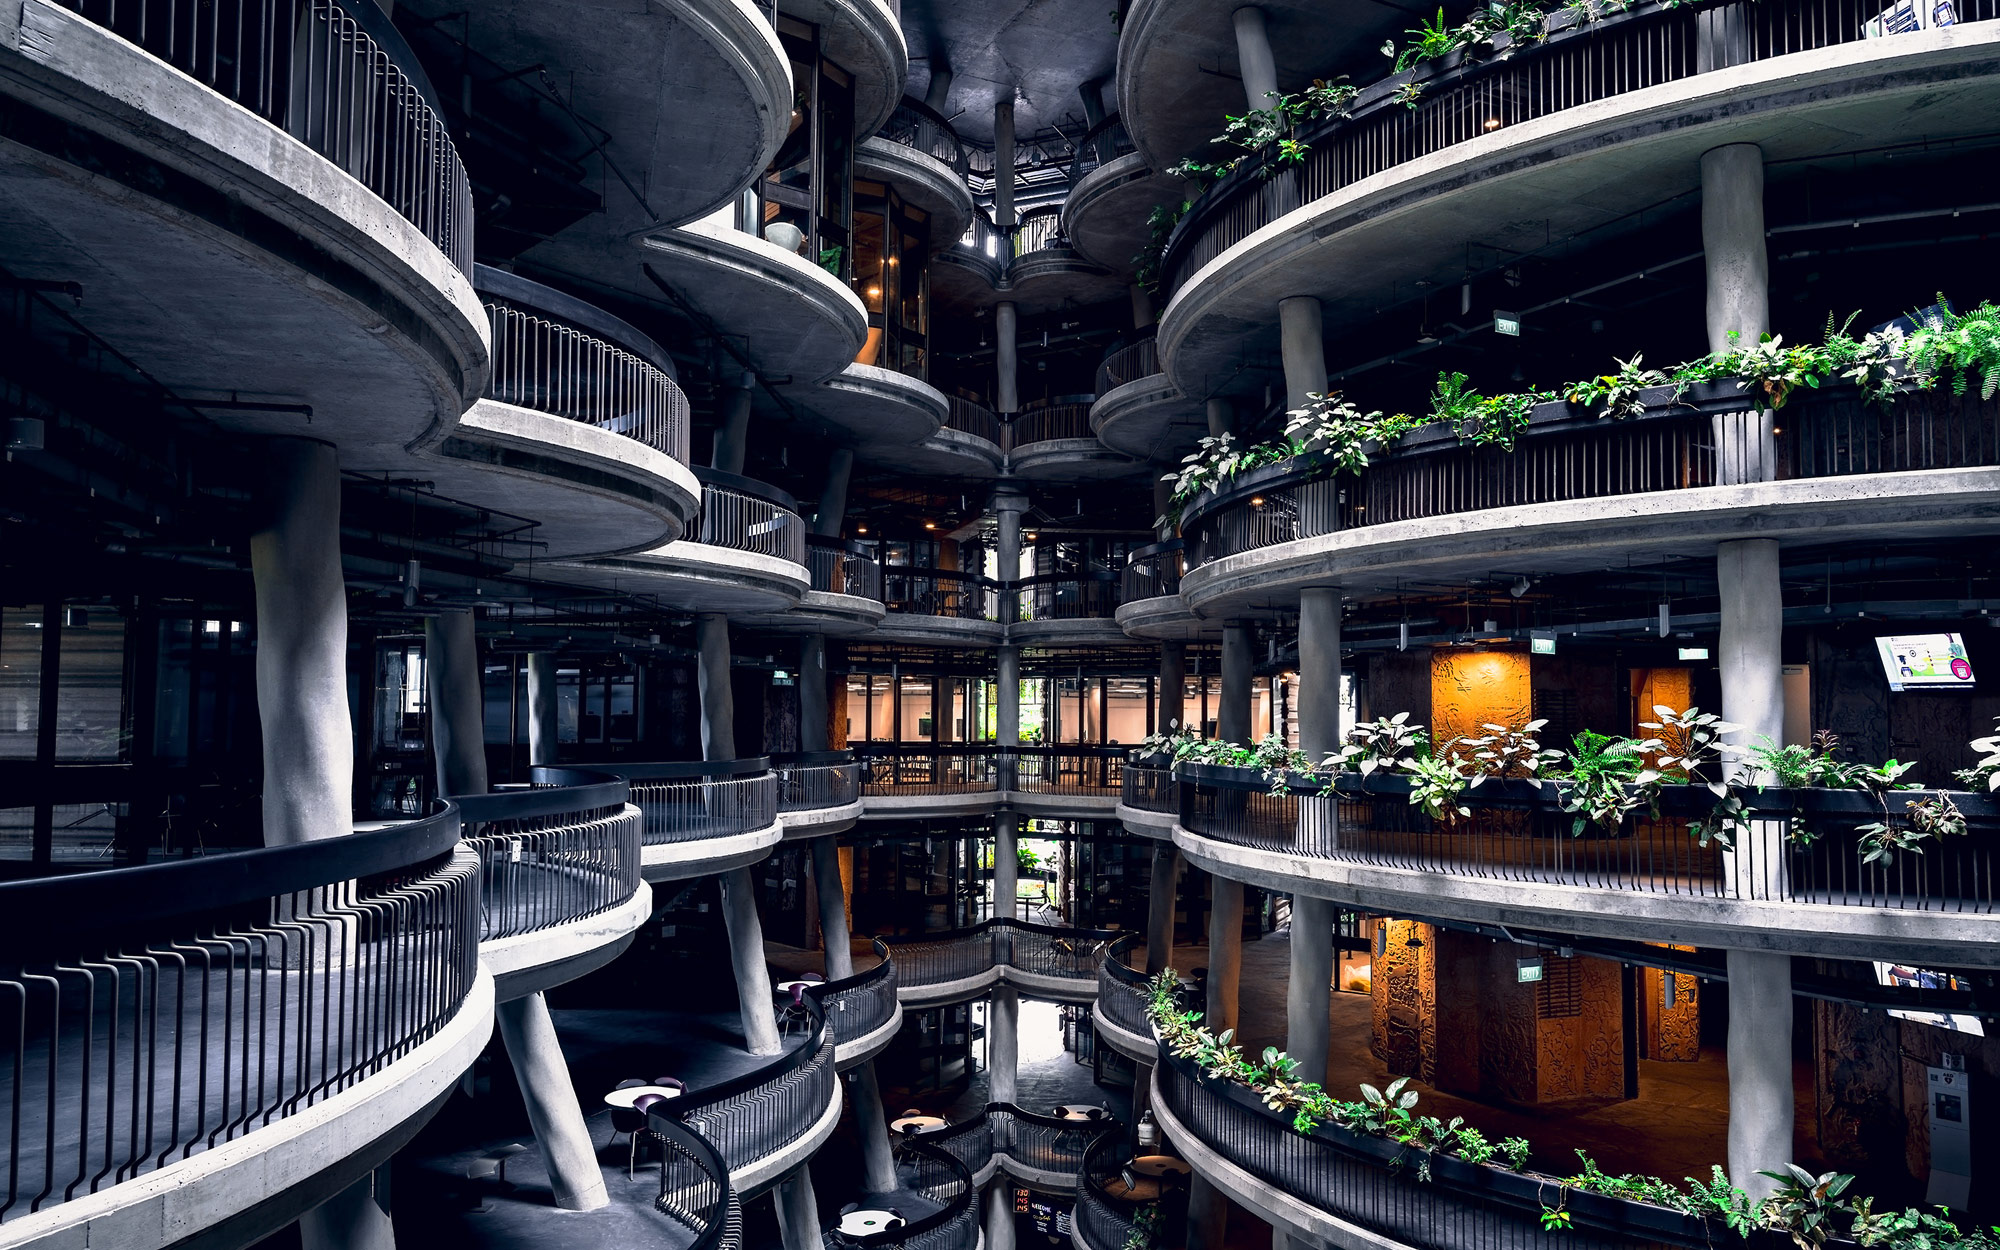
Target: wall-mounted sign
[(1527, 970), (1507, 323)]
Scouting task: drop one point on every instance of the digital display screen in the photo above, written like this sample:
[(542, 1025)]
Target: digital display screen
[(1925, 661)]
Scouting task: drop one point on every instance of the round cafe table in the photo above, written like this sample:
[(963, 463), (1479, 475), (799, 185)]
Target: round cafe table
[(633, 1093), (1159, 1166), (866, 1223), (1080, 1111), (911, 1125), (786, 987)]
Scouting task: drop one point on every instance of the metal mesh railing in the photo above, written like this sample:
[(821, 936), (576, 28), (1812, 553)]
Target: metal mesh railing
[(1079, 770), (311, 69), (887, 770), (859, 1005), (1149, 787), (553, 368), (1041, 950), (149, 1014), (940, 592), (564, 850)]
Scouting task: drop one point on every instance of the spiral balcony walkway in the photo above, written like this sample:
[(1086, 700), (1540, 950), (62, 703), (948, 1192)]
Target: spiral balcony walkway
[(1043, 961)]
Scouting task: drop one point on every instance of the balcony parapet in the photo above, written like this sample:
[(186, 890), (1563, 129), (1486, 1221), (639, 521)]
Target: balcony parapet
[(1107, 1217), (819, 792), (701, 817), (1120, 1010), (942, 1180), (1149, 798), (1045, 1151), (864, 1009), (695, 1190), (1045, 960), (767, 1121)]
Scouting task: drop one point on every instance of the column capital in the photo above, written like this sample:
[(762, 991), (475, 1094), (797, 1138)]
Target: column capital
[(1006, 499)]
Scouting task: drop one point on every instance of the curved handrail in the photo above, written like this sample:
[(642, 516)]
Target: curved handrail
[(1128, 364), (946, 1181), (1149, 787), (695, 1190), (1082, 594), (1121, 989), (584, 315), (1038, 1144), (1099, 146), (674, 770), (1106, 1221), (840, 566), (1039, 950), (1062, 420), (742, 514), (977, 420), (915, 124), (554, 792), (694, 800), (556, 852), (1152, 571), (764, 1074), (863, 1002), (757, 1113), (946, 768), (940, 592), (746, 486), (352, 952), (1038, 229), (810, 780)]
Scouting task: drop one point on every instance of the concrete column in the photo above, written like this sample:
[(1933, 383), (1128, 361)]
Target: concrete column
[(1003, 163), (1749, 652), (936, 94), (1303, 345), (1761, 1106), (1208, 1215), (1007, 688), (1172, 702), (356, 1218), (1319, 672), (542, 704), (746, 955), (1000, 1213), (1006, 357), (1162, 892), (1143, 316), (452, 681), (1092, 93), (553, 1110), (1233, 717), (1006, 866), (1253, 58), (831, 515), (1221, 416), (1739, 297), (812, 693), (302, 645), (1008, 505), (878, 1158), (718, 701), (1309, 996), (798, 1211), (732, 433), (832, 908), (1003, 1044), (1225, 952)]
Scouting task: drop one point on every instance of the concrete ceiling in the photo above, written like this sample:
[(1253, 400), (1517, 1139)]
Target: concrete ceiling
[(1042, 51)]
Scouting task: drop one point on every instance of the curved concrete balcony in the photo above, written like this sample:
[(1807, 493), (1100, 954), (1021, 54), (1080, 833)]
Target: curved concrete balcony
[(1120, 1009), (768, 1120), (791, 317), (695, 1193), (864, 38), (1045, 1151), (876, 406), (1042, 961), (245, 246), (938, 607), (863, 1009), (1841, 471), (560, 893), (583, 426), (903, 781), (1066, 609), (919, 155), (1139, 412), (182, 1115), (966, 445), (746, 557), (700, 817), (1045, 272), (846, 595), (1111, 1211), (1149, 592), (1518, 859), (1065, 781), (1149, 798), (937, 1196), (1054, 443), (819, 792), (1112, 193), (1346, 222)]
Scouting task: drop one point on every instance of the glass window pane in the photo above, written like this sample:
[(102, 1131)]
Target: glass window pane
[(20, 680), (90, 699)]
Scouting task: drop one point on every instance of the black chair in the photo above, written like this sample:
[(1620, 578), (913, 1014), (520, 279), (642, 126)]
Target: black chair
[(629, 1121)]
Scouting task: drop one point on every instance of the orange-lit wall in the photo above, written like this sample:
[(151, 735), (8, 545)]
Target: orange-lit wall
[(1473, 688)]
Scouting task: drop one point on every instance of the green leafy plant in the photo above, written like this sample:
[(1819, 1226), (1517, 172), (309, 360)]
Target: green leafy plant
[(1438, 784), (1619, 392), (1963, 348), (1504, 752), (1516, 1151), (1985, 775), (1690, 742), (1602, 780), (1806, 1206), (1428, 40), (1215, 461), (1381, 743), (1339, 433), (1924, 819), (1409, 95), (1148, 1224)]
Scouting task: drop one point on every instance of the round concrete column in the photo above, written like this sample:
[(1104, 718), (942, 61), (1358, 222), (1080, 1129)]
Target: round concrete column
[(302, 645), (1208, 1215), (543, 1075), (1007, 689), (1750, 655), (1233, 715), (878, 1158), (1319, 672), (1006, 357), (1003, 1044), (1303, 345), (718, 701), (1221, 415), (1003, 166), (356, 1218), (732, 432), (1172, 702), (832, 908), (936, 94), (1006, 866), (1000, 1213), (1162, 892), (1253, 58), (458, 716), (542, 704), (1739, 297), (813, 712), (831, 514), (1309, 996), (746, 956), (1761, 1106), (1225, 952), (798, 1211)]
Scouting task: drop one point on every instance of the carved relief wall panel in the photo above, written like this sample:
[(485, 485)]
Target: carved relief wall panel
[(1669, 1014), (1472, 688), (1404, 989)]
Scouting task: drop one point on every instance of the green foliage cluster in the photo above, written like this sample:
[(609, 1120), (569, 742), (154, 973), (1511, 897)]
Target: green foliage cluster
[(1810, 1209)]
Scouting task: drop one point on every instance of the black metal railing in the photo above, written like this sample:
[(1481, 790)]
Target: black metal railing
[(917, 125), (1152, 571), (1100, 145), (1579, 63), (746, 515), (1150, 786), (550, 367), (859, 1005), (1799, 846), (1121, 989), (1049, 1144), (1107, 1219), (761, 1112), (694, 1186), (1129, 364), (1048, 423), (1038, 230), (930, 959), (1069, 769), (809, 780), (696, 800), (1067, 597), (967, 417), (152, 1013), (335, 77), (556, 852), (840, 567), (943, 1181), (892, 769), (940, 592)]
